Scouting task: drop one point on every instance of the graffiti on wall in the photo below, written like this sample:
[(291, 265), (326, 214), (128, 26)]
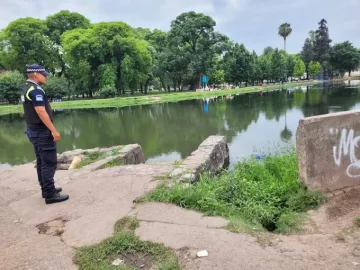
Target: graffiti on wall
[(346, 147)]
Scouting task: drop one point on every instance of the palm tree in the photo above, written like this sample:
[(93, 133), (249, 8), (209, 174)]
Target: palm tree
[(285, 31)]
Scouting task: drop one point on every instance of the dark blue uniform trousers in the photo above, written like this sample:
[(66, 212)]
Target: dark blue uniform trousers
[(46, 159)]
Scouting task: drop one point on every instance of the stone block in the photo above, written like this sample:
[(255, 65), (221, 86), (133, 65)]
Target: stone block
[(211, 157), (132, 154), (328, 151)]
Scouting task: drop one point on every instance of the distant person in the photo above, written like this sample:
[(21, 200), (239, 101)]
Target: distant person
[(41, 132)]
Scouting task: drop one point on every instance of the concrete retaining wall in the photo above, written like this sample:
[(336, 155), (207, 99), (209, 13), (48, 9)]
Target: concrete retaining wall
[(211, 157), (328, 149)]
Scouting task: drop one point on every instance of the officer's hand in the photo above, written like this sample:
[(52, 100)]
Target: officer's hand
[(55, 135)]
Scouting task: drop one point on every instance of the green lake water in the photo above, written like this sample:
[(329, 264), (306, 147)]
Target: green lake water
[(169, 131)]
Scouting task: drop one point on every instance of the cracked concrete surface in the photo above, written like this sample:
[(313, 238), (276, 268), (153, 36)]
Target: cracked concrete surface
[(178, 228), (98, 199)]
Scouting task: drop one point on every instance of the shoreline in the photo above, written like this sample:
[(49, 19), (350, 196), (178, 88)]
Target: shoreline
[(119, 102)]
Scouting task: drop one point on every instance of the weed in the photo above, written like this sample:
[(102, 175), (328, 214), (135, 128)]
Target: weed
[(177, 163), (165, 176), (258, 193), (127, 246), (126, 224), (113, 163), (357, 221), (91, 158), (96, 156)]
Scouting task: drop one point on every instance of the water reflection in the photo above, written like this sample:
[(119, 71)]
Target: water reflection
[(172, 131)]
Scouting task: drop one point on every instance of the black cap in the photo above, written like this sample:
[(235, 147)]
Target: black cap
[(37, 68)]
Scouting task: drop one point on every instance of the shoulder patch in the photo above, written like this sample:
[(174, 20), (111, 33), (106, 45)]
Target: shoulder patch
[(39, 98)]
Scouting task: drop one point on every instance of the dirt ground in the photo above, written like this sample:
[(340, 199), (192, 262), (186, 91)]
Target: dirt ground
[(38, 236)]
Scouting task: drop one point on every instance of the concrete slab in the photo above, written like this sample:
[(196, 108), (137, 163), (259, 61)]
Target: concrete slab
[(328, 152), (97, 200), (169, 213)]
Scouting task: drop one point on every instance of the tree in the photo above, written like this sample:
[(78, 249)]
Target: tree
[(312, 37), (307, 54), (314, 68), (194, 33), (237, 64), (345, 57), (285, 31), (112, 43), (158, 40), (299, 68), (56, 87), (268, 50), (57, 25), (291, 61), (322, 45), (174, 63), (11, 84), (256, 73), (107, 91), (24, 42), (217, 73), (278, 63)]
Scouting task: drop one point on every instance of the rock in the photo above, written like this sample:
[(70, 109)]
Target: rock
[(177, 172), (192, 254), (187, 178), (94, 150), (356, 252), (202, 253), (355, 263), (63, 166), (142, 266), (132, 154), (117, 262)]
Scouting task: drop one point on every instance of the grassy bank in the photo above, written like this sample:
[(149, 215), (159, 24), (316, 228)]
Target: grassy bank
[(257, 195), (149, 99), (126, 247)]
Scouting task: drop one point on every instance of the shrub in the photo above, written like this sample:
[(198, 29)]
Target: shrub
[(107, 92), (56, 87), (11, 84)]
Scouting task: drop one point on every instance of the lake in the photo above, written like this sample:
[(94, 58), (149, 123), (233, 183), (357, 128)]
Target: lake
[(171, 131)]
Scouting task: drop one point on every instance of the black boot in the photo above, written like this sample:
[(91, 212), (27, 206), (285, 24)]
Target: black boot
[(57, 198), (58, 190)]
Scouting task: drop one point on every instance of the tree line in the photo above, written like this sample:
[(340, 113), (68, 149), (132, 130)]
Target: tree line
[(113, 58)]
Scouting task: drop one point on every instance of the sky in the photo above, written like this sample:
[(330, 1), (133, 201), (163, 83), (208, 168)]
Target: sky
[(251, 22)]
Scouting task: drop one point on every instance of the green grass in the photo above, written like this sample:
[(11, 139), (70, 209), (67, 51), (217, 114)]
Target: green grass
[(125, 244), (96, 156), (91, 158), (113, 163), (256, 195), (149, 99)]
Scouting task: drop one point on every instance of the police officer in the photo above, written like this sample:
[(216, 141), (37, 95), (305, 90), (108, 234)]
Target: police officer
[(41, 132)]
